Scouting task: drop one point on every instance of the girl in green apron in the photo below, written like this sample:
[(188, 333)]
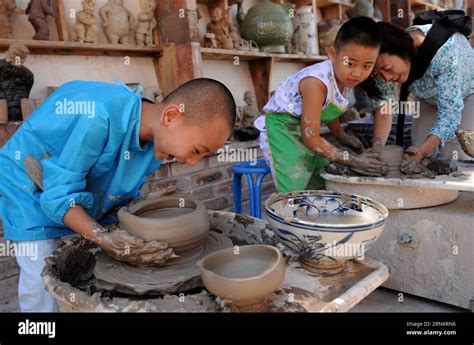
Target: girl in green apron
[(289, 130)]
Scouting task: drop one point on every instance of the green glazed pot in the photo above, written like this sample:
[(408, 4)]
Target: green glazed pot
[(269, 25)]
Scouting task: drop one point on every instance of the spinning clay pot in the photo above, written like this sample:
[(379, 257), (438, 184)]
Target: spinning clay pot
[(245, 277), (392, 155), (179, 221)]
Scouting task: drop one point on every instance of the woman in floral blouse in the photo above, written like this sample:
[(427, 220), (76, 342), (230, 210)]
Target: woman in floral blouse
[(445, 91)]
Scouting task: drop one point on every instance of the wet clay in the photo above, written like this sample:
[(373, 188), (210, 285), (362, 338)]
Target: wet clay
[(392, 155), (245, 277), (466, 139), (176, 275), (179, 221)]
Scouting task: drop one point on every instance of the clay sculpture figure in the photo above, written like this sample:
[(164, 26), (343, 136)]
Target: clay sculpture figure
[(246, 278), (219, 27), (85, 26), (146, 24), (245, 130), (305, 38), (7, 9), (16, 80), (117, 21), (153, 93), (38, 11)]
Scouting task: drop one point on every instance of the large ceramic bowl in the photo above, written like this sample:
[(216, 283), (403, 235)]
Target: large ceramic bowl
[(245, 277), (325, 228), (181, 222)]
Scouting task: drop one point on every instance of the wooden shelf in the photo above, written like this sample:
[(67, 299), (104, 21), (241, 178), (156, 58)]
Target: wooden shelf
[(426, 4), (326, 3), (230, 54), (76, 48)]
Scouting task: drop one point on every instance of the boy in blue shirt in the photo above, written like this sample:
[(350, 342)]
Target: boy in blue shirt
[(95, 144)]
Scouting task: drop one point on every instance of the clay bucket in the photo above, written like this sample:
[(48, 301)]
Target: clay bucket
[(392, 155), (245, 277), (181, 222)]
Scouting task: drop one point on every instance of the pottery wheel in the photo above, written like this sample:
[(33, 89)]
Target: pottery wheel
[(177, 275)]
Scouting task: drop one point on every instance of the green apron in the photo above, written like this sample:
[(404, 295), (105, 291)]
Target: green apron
[(294, 165)]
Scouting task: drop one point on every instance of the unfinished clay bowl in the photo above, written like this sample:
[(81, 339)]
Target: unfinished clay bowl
[(392, 155), (245, 277), (466, 139), (179, 221), (324, 228)]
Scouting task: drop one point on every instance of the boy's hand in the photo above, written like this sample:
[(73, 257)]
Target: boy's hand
[(368, 164), (351, 141), (125, 247)]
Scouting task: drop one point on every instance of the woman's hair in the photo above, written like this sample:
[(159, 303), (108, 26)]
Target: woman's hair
[(395, 41)]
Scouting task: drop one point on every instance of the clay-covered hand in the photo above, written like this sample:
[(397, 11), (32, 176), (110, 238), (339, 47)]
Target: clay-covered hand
[(368, 164), (124, 247), (351, 142), (411, 162)]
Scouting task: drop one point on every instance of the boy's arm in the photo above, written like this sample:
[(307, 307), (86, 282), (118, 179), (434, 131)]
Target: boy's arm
[(314, 94)]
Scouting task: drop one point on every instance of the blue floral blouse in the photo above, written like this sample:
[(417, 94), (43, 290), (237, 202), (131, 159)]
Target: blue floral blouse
[(447, 81)]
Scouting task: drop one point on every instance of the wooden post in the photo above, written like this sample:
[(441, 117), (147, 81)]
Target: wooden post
[(167, 69), (61, 22), (261, 72)]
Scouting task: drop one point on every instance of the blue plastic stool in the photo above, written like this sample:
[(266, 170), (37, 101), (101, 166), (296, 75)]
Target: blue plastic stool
[(249, 169)]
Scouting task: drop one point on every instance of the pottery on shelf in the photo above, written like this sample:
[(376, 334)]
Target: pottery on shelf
[(179, 221), (7, 9), (305, 38), (146, 24), (325, 229), (362, 8), (38, 11), (269, 25), (85, 26), (327, 32), (117, 21), (16, 80), (245, 277), (466, 139), (392, 155), (218, 35)]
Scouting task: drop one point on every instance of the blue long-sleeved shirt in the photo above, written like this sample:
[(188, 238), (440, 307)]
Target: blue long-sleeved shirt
[(86, 135)]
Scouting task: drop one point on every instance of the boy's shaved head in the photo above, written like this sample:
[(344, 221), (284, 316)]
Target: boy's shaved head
[(204, 101)]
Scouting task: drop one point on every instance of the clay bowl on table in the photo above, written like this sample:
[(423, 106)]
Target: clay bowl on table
[(181, 222), (247, 277), (325, 228), (466, 139)]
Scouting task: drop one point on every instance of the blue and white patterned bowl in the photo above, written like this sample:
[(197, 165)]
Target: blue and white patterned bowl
[(325, 228)]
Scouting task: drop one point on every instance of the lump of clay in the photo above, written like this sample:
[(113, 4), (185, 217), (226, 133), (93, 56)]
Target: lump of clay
[(7, 9), (146, 24), (85, 26), (117, 21), (38, 11)]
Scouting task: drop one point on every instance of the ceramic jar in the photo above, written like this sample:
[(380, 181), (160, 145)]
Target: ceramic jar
[(306, 34), (269, 25)]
